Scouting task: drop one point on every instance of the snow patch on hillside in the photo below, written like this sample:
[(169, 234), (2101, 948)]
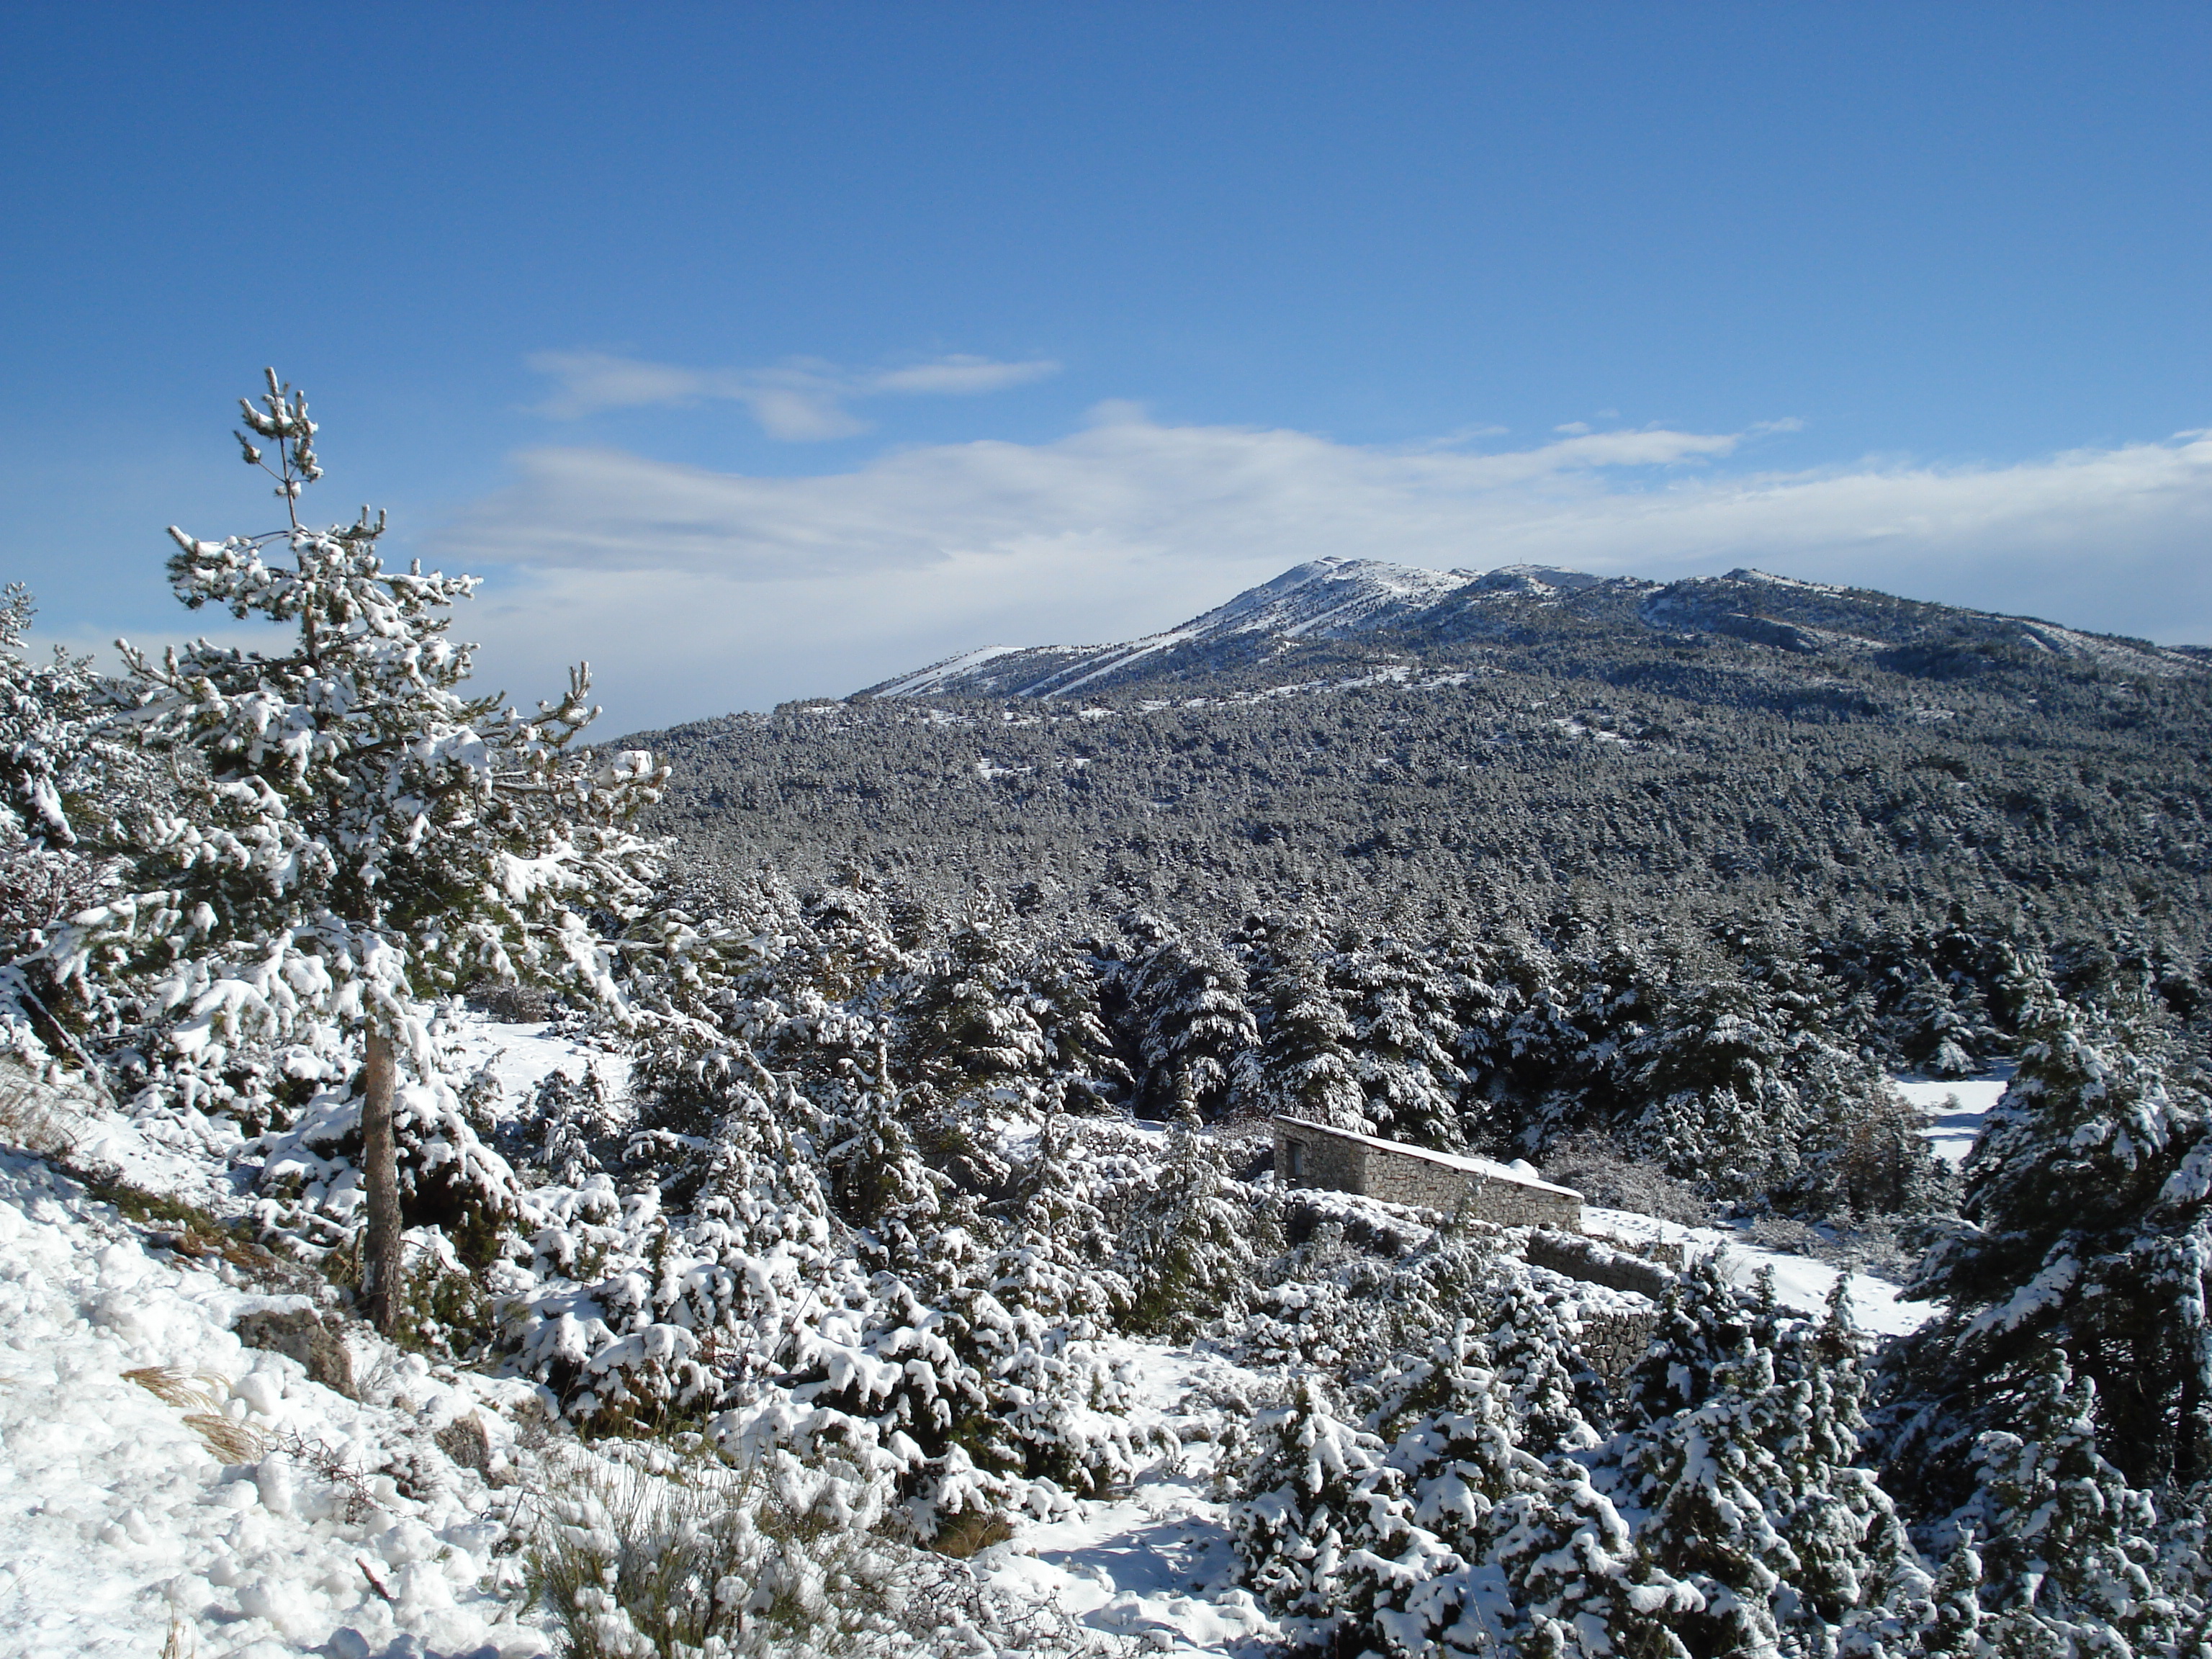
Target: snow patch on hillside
[(1953, 1109)]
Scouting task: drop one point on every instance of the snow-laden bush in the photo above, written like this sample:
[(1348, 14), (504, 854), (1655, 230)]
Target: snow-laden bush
[(1193, 1246), (448, 1178), (657, 1556), (1295, 1480), (640, 1311)]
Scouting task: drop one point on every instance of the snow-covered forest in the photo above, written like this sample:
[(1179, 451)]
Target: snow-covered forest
[(439, 1217)]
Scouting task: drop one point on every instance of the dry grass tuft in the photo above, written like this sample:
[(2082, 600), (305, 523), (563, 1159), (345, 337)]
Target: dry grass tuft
[(34, 1114), (230, 1442), (970, 1533), (174, 1648), (172, 1386)]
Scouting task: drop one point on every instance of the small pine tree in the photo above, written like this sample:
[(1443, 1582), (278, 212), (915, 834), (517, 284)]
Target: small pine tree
[(1953, 1626), (966, 1026), (366, 835), (1191, 1249), (1710, 1482), (2070, 1544), (1428, 1512), (1579, 1583), (1294, 1490)]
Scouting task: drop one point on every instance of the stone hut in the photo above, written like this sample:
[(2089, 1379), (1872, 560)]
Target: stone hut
[(1315, 1155)]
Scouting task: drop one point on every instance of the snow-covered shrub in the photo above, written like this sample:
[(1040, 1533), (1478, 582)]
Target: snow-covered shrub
[(665, 1557), (1415, 1577), (1328, 1304), (449, 1180), (971, 1403), (1294, 1480), (1193, 1246), (639, 1310)]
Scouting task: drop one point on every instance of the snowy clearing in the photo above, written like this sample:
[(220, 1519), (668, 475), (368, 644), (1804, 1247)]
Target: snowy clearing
[(1954, 1108), (1800, 1283)]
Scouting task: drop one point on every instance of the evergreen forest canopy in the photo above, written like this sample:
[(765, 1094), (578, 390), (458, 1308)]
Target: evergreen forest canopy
[(1737, 747), (949, 1012)]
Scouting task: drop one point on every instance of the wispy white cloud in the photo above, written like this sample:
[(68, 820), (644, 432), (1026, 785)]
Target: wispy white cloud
[(1215, 492), (799, 400), (702, 591)]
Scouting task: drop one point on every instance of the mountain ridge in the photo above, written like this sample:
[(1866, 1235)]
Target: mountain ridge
[(1339, 600)]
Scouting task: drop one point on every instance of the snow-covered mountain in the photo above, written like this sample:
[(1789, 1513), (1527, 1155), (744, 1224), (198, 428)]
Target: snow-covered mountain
[(1338, 599), (1325, 599)]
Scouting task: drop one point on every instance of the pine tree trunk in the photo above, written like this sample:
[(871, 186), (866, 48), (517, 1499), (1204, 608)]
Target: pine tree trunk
[(380, 1263)]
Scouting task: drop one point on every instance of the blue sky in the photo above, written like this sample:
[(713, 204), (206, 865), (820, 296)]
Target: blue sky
[(761, 351)]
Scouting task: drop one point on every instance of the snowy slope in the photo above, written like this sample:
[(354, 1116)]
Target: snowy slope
[(118, 1514), (1325, 598), (1954, 1110), (1800, 1283)]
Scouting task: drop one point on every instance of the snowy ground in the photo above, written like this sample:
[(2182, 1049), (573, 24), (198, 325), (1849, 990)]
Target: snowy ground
[(118, 1513), (1799, 1282), (1954, 1110), (1153, 1565)]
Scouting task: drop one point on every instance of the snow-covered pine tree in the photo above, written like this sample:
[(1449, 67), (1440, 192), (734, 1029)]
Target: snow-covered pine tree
[(2070, 1545), (848, 943), (1302, 1064), (1857, 1568), (1061, 983), (2088, 1208), (1293, 1484), (1953, 1628), (54, 765), (1191, 1247), (1938, 1039), (1399, 1004), (1533, 1352), (48, 732), (1579, 1585), (1711, 1484), (966, 1026), (1057, 1258), (1413, 1578), (1724, 1108), (572, 1126), (1703, 1320), (365, 834), (877, 1180), (1188, 997)]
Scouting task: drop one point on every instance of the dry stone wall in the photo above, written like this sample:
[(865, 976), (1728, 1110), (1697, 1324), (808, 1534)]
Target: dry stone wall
[(1316, 1155), (1611, 1343), (1579, 1256)]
